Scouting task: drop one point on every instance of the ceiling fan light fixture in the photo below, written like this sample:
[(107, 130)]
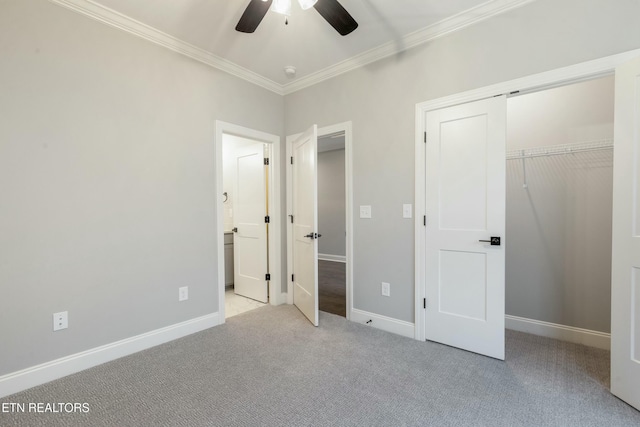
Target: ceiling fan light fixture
[(331, 10), (282, 7), (307, 4)]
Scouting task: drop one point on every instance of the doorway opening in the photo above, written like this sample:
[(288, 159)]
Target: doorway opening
[(292, 140), (332, 224), (559, 199), (559, 137), (248, 220), (246, 235)]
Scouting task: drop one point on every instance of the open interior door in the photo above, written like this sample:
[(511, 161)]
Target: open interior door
[(625, 268), (465, 226), (250, 230), (305, 223)]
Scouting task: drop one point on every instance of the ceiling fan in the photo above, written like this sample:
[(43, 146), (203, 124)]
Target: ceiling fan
[(331, 10)]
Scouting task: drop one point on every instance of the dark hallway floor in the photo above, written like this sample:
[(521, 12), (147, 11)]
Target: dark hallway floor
[(332, 281)]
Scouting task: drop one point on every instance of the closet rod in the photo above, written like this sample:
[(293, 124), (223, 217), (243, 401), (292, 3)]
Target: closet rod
[(555, 150), (571, 151)]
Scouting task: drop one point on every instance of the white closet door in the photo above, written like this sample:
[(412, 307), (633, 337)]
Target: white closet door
[(625, 268), (465, 206)]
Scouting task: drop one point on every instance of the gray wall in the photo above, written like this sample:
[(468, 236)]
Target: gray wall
[(331, 203), (380, 100), (558, 265), (107, 181)]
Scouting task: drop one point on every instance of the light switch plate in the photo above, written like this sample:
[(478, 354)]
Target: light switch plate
[(407, 211), (365, 211)]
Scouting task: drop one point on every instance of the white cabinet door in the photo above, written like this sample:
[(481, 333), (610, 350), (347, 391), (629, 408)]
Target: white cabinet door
[(625, 268), (465, 204), (305, 224), (249, 211)]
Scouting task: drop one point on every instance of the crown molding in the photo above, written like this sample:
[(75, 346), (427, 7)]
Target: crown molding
[(454, 23), (115, 19), (457, 22)]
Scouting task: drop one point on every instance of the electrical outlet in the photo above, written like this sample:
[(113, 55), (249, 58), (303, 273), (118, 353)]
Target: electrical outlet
[(60, 320), (386, 289), (183, 293)]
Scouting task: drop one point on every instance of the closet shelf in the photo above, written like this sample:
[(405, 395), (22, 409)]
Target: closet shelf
[(555, 150)]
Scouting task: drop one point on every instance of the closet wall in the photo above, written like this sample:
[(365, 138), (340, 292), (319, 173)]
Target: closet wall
[(558, 256)]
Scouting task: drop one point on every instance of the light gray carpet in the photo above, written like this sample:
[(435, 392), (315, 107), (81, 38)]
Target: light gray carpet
[(270, 367)]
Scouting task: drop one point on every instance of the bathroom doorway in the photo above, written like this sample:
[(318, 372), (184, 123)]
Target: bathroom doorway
[(248, 219)]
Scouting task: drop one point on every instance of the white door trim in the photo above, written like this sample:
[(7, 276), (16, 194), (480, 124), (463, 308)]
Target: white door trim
[(348, 161), (559, 77), (275, 239)]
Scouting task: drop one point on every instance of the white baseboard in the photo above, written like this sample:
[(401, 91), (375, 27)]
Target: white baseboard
[(388, 324), (560, 332), (49, 371), (334, 258)]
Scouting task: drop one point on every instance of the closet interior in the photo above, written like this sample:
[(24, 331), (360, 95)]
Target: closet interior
[(559, 204)]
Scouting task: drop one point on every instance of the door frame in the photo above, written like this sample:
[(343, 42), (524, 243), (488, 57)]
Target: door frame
[(348, 182), (559, 77), (275, 237)]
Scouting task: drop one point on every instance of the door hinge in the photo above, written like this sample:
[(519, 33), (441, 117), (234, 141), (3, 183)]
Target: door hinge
[(292, 276), (424, 303), (425, 137), (291, 218), (291, 159), (267, 277), (424, 221), (266, 161), (267, 219)]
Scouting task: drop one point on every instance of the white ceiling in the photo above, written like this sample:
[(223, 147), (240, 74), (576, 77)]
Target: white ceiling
[(308, 42)]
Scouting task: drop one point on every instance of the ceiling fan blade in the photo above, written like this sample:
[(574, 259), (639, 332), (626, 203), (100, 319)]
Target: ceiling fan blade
[(336, 15), (252, 16)]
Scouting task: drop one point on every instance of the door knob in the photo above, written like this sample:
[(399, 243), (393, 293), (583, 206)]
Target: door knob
[(310, 235), (495, 241), (234, 229)]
